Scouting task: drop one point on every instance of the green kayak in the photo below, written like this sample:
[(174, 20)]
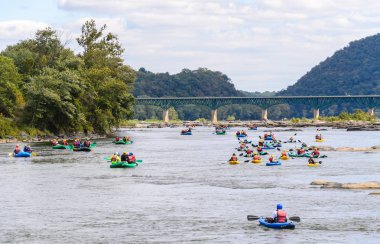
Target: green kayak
[(59, 146), (123, 165), (220, 132), (123, 142)]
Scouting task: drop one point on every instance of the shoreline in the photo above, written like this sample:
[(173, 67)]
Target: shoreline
[(348, 125)]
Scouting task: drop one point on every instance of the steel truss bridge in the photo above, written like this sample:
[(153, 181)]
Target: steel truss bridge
[(315, 102)]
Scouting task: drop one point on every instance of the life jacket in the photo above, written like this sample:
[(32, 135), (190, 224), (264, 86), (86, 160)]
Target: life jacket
[(114, 158), (242, 146), (259, 149), (131, 159), (283, 154), (256, 157), (65, 143), (249, 151), (271, 159), (117, 138), (281, 216), (316, 152), (233, 158)]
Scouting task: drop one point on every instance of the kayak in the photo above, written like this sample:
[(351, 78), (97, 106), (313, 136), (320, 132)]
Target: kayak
[(286, 225), (123, 165), (189, 133), (293, 155), (312, 165), (256, 161), (241, 136), (59, 146), (319, 140), (267, 147), (269, 138), (252, 128), (123, 142), (248, 156), (284, 157), (263, 153), (233, 162), (82, 149), (220, 132), (274, 163), (22, 154)]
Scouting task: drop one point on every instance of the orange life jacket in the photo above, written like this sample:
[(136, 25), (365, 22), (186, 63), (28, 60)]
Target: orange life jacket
[(233, 158), (256, 157), (281, 216)]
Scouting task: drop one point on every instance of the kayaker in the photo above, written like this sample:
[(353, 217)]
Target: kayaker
[(238, 133), (64, 142), (117, 138), (17, 149), (284, 154), (115, 158), (311, 161), (280, 215), (124, 157), (54, 142), (265, 136), (271, 158), (259, 149), (315, 153), (318, 137), (291, 139), (86, 143), (261, 142), (27, 149), (234, 157), (76, 143), (256, 156), (242, 146), (249, 152), (131, 158)]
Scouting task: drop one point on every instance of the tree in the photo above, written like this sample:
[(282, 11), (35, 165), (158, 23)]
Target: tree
[(110, 100), (11, 97)]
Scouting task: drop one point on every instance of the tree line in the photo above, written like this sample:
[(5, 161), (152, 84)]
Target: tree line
[(45, 85)]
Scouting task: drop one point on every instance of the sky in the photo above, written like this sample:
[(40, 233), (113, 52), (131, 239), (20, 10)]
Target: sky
[(261, 45)]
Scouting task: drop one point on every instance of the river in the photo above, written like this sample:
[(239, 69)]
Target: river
[(184, 191)]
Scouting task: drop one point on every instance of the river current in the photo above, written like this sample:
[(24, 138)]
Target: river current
[(185, 191)]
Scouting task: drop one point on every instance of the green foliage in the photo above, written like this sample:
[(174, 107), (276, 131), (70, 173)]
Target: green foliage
[(202, 120), (231, 118), (7, 127), (300, 120), (11, 97), (65, 92), (358, 115)]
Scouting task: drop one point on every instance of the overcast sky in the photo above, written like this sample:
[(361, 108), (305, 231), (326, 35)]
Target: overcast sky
[(260, 44)]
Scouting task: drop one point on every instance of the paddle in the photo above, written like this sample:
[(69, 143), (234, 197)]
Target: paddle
[(246, 161), (254, 217), (278, 149), (241, 154)]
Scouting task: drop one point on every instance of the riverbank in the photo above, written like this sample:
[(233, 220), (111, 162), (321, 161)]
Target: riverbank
[(282, 125), (349, 125)]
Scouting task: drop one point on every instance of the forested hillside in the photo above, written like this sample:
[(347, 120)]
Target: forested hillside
[(353, 70), (196, 83)]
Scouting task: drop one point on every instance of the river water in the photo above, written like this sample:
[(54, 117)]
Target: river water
[(184, 191)]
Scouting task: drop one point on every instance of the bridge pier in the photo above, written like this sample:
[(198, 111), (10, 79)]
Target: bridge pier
[(316, 113), (264, 114), (214, 116), (371, 111), (165, 116)]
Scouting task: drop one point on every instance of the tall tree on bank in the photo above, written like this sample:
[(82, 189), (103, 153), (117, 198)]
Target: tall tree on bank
[(108, 99)]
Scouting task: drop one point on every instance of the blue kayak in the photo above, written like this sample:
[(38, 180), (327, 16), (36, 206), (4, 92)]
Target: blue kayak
[(274, 163), (22, 154), (267, 147), (286, 225), (186, 133), (269, 138), (241, 136)]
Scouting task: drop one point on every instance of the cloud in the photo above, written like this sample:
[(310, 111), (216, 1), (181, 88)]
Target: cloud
[(18, 29), (268, 43)]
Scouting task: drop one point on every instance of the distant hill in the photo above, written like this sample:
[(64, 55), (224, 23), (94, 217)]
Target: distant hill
[(188, 83), (353, 70)]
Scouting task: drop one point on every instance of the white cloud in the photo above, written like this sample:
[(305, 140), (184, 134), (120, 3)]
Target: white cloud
[(269, 43), (19, 29)]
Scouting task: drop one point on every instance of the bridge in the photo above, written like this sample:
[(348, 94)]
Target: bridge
[(315, 102)]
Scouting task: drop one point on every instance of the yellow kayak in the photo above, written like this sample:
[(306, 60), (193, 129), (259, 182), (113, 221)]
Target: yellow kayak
[(233, 162), (256, 161), (312, 165), (284, 157), (319, 140)]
